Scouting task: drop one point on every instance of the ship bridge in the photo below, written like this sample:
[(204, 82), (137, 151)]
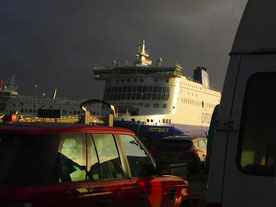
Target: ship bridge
[(153, 71)]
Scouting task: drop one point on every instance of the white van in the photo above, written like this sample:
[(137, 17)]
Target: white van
[(242, 167)]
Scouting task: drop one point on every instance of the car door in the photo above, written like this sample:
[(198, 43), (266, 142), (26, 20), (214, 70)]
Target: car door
[(108, 182), (151, 190), (68, 186)]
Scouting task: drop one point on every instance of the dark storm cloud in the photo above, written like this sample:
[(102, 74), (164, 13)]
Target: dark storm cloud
[(56, 43)]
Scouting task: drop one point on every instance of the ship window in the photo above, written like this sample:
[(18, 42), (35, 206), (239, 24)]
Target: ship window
[(163, 97), (128, 96), (167, 97), (158, 96), (150, 89), (164, 105), (133, 96), (124, 89), (145, 88), (149, 96), (51, 106), (159, 89), (139, 88), (154, 88), (153, 96), (135, 80), (30, 110), (112, 89), (168, 90), (141, 80), (132, 119), (122, 80), (33, 110), (129, 89), (128, 80), (22, 110), (147, 120), (140, 104), (26, 110), (120, 89), (163, 121), (116, 89), (123, 96), (134, 89), (117, 81), (151, 120), (169, 121), (163, 89), (147, 105), (138, 96), (156, 105), (143, 96), (118, 97)]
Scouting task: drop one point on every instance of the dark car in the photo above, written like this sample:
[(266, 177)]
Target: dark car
[(51, 164), (182, 149)]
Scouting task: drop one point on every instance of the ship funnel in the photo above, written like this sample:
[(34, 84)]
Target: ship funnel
[(201, 76)]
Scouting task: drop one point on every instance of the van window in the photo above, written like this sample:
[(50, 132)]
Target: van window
[(71, 159), (110, 163), (257, 143), (139, 162)]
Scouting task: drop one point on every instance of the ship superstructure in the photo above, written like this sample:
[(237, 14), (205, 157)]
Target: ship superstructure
[(12, 102), (157, 100)]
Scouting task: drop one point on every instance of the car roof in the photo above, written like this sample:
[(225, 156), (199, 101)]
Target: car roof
[(180, 138), (57, 128)]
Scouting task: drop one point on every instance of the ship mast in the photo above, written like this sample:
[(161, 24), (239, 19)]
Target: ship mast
[(142, 55)]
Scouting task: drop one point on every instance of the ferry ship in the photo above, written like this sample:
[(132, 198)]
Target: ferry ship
[(155, 100), (12, 102)]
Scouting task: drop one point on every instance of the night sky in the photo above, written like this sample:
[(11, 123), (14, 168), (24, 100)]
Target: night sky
[(56, 43)]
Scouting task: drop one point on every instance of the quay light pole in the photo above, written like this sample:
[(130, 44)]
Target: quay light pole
[(36, 98)]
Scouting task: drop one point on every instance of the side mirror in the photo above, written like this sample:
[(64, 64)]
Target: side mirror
[(163, 168)]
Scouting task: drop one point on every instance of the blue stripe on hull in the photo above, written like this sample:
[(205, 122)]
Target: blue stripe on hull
[(150, 134)]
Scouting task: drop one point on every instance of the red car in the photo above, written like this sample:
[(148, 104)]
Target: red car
[(51, 164)]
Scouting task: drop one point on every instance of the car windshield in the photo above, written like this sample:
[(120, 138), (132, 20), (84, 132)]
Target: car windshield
[(174, 144), (20, 156)]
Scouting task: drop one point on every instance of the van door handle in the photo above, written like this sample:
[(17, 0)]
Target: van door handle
[(107, 201), (143, 196)]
